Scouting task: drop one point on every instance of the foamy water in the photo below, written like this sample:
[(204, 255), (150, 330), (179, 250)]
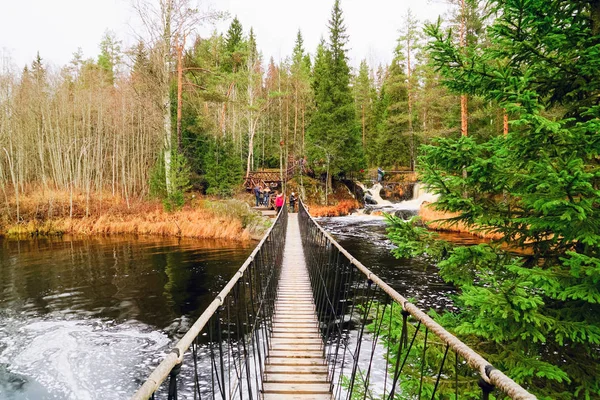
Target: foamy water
[(420, 195), (81, 359)]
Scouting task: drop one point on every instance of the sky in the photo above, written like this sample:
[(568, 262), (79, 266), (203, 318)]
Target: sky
[(57, 28)]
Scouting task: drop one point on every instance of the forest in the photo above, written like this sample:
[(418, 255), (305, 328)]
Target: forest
[(211, 109), (496, 106)]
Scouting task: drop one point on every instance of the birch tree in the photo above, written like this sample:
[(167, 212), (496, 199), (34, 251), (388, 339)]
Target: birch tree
[(164, 21)]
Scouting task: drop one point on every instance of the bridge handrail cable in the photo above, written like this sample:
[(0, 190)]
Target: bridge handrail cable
[(485, 369)]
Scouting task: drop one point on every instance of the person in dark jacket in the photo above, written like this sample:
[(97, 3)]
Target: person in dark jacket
[(257, 194), (293, 202), (380, 174)]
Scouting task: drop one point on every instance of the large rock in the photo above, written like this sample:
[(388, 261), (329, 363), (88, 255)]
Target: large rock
[(405, 214), (369, 199)]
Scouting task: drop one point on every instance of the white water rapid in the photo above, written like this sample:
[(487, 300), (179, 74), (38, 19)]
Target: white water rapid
[(405, 209)]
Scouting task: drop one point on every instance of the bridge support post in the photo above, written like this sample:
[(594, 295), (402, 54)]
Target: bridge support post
[(486, 389), (173, 381)]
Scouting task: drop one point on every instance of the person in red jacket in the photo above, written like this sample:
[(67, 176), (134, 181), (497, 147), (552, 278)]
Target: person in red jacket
[(279, 201)]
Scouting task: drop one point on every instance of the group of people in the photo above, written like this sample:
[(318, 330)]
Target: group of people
[(264, 195)]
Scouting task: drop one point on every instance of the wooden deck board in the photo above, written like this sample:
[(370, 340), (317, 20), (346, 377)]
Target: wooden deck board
[(295, 368), (296, 396)]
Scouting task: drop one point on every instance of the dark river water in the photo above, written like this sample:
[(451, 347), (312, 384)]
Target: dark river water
[(364, 236), (87, 318)]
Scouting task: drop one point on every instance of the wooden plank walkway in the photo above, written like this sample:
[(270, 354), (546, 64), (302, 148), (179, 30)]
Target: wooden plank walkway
[(266, 212), (296, 367)]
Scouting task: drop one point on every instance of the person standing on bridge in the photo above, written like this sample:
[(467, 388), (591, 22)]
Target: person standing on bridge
[(266, 196), (293, 202), (261, 196), (257, 194), (380, 174), (279, 201)]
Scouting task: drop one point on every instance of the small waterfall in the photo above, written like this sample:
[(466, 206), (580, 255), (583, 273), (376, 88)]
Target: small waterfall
[(375, 195), (417, 190), (404, 209)]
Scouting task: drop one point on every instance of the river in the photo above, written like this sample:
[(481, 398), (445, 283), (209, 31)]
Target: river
[(87, 318), (364, 236)]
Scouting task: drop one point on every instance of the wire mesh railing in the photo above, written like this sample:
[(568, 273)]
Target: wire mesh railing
[(223, 354), (378, 344)]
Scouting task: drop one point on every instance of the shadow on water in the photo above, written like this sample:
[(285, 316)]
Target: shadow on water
[(86, 318)]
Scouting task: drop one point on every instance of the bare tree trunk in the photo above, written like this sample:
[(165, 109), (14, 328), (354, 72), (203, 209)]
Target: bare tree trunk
[(15, 183), (410, 104), (166, 98), (251, 146), (303, 132), (595, 16), (362, 108), (295, 120), (464, 117), (180, 47)]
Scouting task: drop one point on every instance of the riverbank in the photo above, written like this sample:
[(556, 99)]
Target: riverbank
[(341, 209), (437, 221), (53, 213)]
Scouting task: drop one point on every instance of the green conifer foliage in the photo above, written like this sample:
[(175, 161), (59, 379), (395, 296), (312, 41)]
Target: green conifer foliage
[(234, 46), (536, 314), (365, 96), (334, 132), (110, 55), (223, 170), (393, 141)]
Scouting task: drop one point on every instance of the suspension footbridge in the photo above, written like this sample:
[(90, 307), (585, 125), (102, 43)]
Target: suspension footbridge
[(302, 319)]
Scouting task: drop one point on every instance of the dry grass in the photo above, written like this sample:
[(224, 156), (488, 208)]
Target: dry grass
[(437, 220), (49, 214), (343, 207)]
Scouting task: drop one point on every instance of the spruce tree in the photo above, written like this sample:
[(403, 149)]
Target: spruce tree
[(334, 134), (394, 137), (534, 314), (110, 55), (234, 46), (300, 80), (364, 99)]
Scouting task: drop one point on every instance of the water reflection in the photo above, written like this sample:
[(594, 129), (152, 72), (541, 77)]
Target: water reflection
[(153, 281), (87, 318)]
